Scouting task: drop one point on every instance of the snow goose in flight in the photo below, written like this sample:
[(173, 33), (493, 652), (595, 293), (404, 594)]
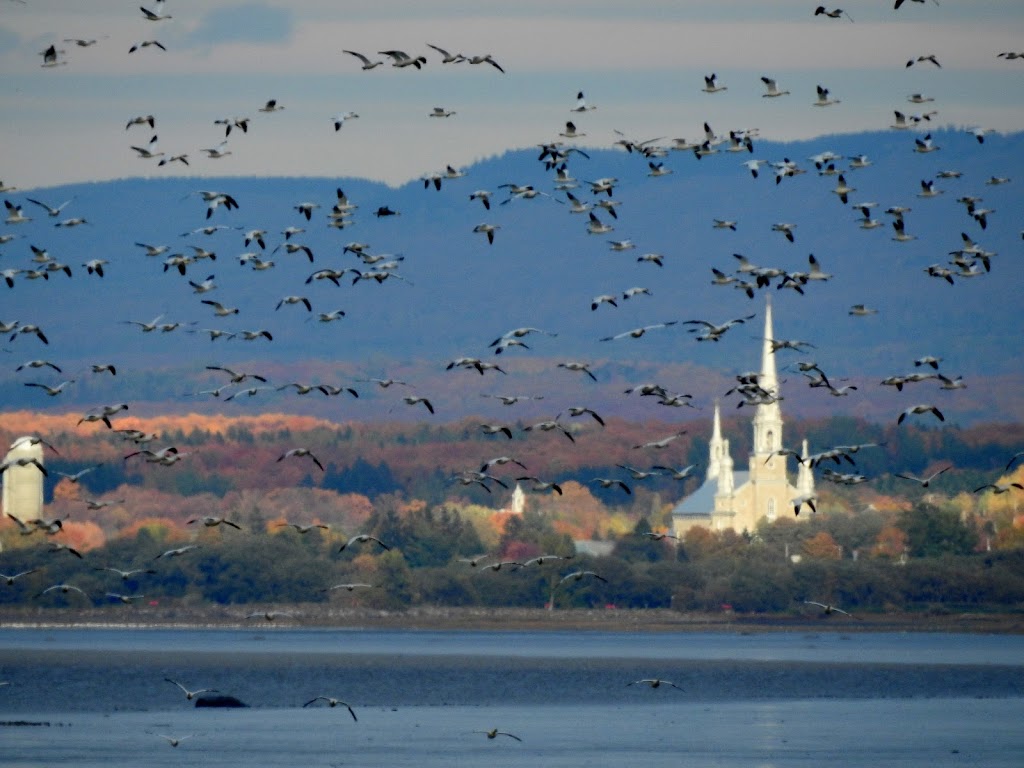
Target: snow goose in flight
[(842, 189), (148, 152), (786, 229), (605, 298), (918, 409), (578, 576), (448, 58), (540, 486), (157, 14), (212, 522), (215, 153), (581, 104), (401, 59), (753, 166), (921, 59), (332, 702), (14, 214), (771, 89), (147, 44), (340, 118), (50, 210), (575, 204), (570, 131), (924, 482), (494, 733), (487, 229), (901, 121), (998, 488), (860, 310), (655, 682), (271, 106), (925, 145), (826, 608), (928, 189), (711, 84), (636, 333), (578, 367), (52, 57), (823, 100), (596, 227), (485, 59), (483, 196), (417, 400), (835, 13), (64, 589), (367, 64), (363, 538), (609, 205), (301, 452), (899, 225), (190, 695), (441, 112), (23, 462)]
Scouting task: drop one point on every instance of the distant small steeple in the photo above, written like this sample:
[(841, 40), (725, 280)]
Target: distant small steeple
[(804, 474), (518, 500)]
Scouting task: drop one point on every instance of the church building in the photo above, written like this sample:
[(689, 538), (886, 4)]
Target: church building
[(739, 500)]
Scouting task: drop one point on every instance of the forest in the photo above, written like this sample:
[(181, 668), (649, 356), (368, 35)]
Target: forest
[(262, 528)]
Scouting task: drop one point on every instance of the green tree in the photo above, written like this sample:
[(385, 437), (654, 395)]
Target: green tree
[(933, 531)]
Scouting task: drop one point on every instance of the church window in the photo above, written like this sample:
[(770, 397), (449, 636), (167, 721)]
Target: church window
[(771, 510)]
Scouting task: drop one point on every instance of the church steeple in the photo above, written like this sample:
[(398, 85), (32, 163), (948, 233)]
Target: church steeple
[(768, 418), (716, 447)]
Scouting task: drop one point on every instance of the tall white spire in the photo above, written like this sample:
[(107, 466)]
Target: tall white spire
[(716, 448), (768, 418), (769, 378), (804, 475)]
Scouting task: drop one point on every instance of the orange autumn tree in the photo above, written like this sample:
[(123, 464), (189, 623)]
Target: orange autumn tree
[(822, 546), (890, 542)]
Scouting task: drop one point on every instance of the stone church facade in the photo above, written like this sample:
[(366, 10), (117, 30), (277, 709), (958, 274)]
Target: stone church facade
[(730, 499)]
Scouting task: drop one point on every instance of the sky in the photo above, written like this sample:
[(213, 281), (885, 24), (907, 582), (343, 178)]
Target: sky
[(641, 64)]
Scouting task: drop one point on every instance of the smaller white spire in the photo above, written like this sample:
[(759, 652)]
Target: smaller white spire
[(716, 449), (804, 475)]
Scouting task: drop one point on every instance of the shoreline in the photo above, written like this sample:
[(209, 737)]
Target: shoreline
[(511, 620)]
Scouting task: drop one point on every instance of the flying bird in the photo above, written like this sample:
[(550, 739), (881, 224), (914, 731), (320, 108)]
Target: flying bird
[(332, 702)]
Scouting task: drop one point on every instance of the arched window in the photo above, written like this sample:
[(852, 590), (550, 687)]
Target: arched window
[(771, 510), (769, 441)]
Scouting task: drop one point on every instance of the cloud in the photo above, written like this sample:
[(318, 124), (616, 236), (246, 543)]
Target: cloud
[(247, 23)]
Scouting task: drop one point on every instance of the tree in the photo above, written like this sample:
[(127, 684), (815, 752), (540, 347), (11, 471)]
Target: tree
[(933, 531), (822, 546)]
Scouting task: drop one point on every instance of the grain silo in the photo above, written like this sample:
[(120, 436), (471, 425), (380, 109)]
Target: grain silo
[(23, 485)]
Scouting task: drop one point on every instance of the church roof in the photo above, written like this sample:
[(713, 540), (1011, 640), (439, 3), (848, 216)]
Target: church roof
[(701, 502)]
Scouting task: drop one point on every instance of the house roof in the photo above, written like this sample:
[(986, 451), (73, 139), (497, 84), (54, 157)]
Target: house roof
[(701, 502)]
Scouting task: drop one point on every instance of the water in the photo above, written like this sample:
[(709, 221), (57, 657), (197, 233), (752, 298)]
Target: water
[(771, 699)]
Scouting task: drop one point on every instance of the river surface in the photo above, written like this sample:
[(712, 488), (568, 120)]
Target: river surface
[(99, 697)]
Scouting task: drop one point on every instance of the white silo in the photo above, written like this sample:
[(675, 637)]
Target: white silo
[(23, 485)]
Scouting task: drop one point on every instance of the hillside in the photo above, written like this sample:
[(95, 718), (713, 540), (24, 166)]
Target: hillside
[(457, 293)]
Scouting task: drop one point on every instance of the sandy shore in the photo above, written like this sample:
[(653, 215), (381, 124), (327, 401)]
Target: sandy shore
[(510, 619)]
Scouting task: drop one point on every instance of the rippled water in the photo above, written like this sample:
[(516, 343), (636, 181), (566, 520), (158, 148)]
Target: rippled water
[(773, 699)]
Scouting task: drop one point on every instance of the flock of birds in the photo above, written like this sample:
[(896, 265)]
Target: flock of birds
[(600, 210), (375, 268)]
